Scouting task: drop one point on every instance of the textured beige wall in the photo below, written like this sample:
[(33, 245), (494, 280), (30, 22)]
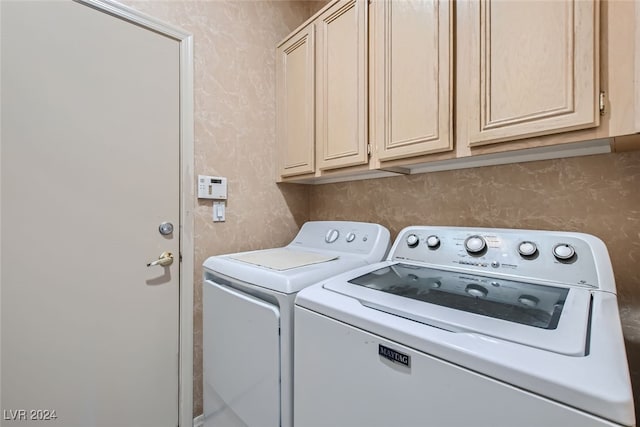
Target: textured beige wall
[(598, 195), (234, 79)]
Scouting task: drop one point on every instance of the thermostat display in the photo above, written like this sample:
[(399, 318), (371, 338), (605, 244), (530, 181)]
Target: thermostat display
[(212, 187)]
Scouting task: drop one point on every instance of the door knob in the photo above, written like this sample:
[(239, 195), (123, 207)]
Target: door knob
[(165, 259)]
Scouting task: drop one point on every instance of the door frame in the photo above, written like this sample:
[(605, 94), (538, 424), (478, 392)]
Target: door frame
[(185, 39)]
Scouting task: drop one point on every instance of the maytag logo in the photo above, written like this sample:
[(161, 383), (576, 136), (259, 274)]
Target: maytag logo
[(394, 356)]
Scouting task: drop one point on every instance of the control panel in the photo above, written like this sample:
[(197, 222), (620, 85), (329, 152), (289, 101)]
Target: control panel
[(559, 257), (212, 187), (344, 236)]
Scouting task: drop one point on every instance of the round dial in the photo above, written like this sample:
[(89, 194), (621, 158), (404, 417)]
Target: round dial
[(527, 249), (563, 251), (528, 300), (351, 237), (476, 290), (412, 240), (475, 244), (332, 235), (433, 242)]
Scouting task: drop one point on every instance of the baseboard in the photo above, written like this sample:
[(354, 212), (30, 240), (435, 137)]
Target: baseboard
[(198, 421)]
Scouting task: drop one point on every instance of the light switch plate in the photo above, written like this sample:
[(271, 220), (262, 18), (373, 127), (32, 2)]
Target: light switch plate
[(219, 213)]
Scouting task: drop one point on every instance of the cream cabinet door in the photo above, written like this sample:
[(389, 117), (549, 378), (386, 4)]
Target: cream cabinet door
[(410, 60), (341, 85), (533, 69), (296, 103)]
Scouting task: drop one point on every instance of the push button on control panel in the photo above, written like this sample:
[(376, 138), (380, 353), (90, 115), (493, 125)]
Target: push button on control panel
[(472, 263)]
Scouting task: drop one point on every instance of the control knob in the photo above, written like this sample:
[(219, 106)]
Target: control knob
[(332, 235), (476, 290), (527, 249), (412, 240), (475, 244), (433, 242), (351, 237), (528, 300), (563, 252)]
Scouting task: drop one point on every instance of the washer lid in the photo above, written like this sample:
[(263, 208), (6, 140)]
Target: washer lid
[(552, 318)]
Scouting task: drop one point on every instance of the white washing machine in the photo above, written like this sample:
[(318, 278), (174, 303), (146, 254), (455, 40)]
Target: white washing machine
[(466, 327), (248, 318)]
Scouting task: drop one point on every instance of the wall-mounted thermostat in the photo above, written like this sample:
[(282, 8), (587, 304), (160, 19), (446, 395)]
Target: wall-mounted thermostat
[(212, 187)]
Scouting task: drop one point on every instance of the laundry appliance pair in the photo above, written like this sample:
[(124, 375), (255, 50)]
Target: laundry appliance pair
[(456, 327)]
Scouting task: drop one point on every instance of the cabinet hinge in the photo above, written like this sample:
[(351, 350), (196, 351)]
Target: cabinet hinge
[(603, 106), (369, 149)]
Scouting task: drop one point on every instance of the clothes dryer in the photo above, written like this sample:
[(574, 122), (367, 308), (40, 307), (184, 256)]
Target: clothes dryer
[(248, 318)]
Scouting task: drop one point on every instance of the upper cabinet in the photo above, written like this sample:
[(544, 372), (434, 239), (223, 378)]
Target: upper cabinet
[(533, 68), (295, 95), (394, 78), (341, 85), (411, 78)]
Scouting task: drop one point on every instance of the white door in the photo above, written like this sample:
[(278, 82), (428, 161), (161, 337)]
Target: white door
[(89, 170)]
